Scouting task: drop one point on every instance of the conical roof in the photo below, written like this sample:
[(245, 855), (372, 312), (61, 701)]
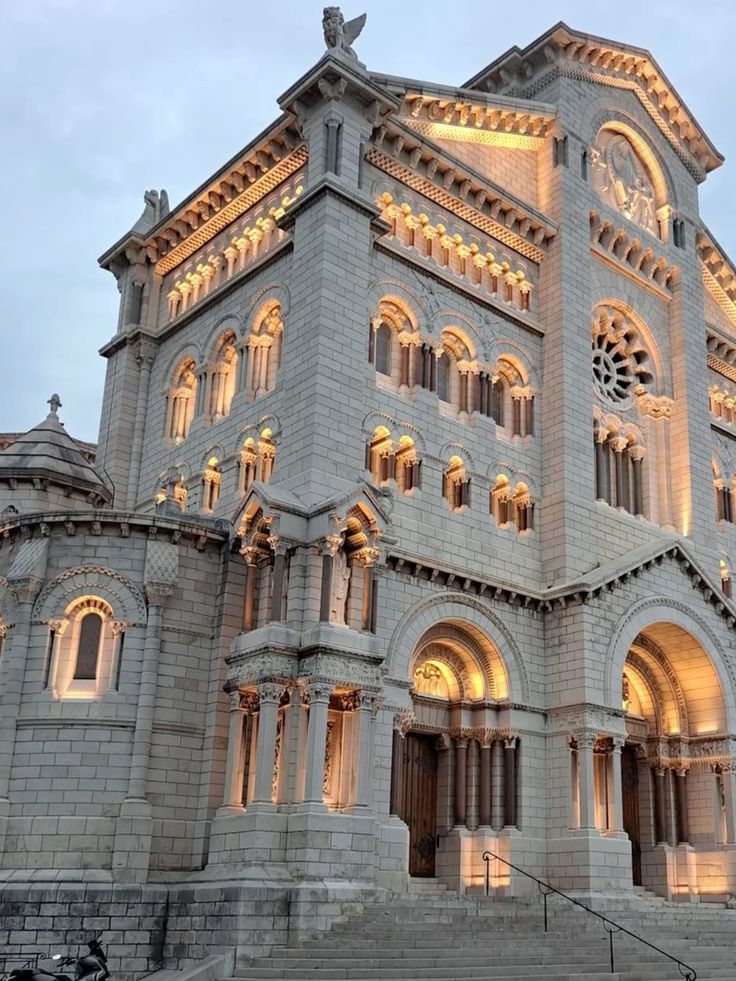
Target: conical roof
[(48, 452)]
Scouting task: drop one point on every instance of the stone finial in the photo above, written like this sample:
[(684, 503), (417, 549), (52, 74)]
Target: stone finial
[(55, 403), (340, 35), (156, 207)]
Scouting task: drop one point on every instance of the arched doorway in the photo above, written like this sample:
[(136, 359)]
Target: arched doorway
[(674, 806), (455, 760)]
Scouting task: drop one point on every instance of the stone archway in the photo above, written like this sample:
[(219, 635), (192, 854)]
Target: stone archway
[(455, 762), (675, 797)]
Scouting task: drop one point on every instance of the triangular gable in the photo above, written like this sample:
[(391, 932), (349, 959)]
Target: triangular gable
[(521, 72)]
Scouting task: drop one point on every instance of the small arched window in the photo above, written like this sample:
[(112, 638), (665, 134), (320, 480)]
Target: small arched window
[(88, 647), (443, 377), (383, 349), (725, 578)]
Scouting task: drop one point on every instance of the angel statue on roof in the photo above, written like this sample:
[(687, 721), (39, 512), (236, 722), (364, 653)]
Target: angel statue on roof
[(339, 35)]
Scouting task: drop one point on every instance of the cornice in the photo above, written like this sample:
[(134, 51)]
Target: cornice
[(719, 274), (255, 171), (721, 352), (429, 169), (562, 51), (121, 523)]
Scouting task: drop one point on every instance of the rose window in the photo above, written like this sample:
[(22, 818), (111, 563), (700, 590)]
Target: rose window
[(620, 359)]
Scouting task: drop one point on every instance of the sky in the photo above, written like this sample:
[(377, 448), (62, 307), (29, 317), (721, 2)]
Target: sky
[(101, 99)]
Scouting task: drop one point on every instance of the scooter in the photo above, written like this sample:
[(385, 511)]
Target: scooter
[(91, 966)]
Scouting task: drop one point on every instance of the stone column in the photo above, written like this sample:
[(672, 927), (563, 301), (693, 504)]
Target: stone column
[(615, 792), (586, 742), (233, 796), (660, 825), (602, 477), (636, 453), (484, 801), (269, 696), (147, 693), (728, 776), (618, 445), (367, 558), (12, 672), (252, 347), (497, 784), (509, 789), (144, 357), (280, 548), (249, 554), (365, 702), (681, 804), (265, 347), (328, 548), (461, 750), (319, 700)]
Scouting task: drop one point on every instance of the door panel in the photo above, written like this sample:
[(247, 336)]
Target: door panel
[(630, 788), (419, 801)]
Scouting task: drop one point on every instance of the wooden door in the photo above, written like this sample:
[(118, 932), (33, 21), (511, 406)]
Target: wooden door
[(630, 788), (419, 801)]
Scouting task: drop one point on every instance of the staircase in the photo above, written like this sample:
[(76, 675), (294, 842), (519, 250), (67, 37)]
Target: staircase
[(434, 935)]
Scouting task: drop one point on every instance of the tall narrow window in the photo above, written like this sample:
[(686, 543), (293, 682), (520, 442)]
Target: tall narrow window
[(725, 579), (497, 401), (90, 632), (443, 378), (383, 350)]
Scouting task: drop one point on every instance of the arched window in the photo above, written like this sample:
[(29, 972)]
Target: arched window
[(523, 508), (88, 647), (456, 484), (266, 456), (500, 503), (181, 401), (222, 377), (211, 484), (725, 578), (408, 466), (262, 351), (383, 349), (379, 457), (248, 464), (498, 399)]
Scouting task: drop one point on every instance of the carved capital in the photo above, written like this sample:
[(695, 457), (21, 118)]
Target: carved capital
[(270, 691), (319, 691), (330, 545), (158, 592), (404, 720)]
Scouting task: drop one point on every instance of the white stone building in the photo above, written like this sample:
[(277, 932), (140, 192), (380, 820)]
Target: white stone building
[(410, 528)]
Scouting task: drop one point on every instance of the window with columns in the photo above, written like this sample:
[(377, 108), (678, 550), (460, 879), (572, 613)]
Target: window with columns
[(387, 459), (724, 496), (211, 477), (180, 400), (725, 571), (84, 651), (257, 458), (272, 720), (262, 351), (619, 463), (722, 404), (221, 378), (456, 484)]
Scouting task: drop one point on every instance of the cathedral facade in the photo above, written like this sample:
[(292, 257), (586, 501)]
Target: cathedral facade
[(410, 529)]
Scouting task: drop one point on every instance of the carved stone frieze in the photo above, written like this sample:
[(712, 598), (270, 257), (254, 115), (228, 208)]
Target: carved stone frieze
[(253, 669), (341, 669), (574, 719)]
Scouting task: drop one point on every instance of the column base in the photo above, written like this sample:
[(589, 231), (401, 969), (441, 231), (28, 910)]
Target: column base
[(131, 857), (255, 836), (229, 809), (586, 861)]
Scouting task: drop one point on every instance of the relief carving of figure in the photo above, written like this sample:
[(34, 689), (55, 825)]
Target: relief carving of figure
[(621, 179), (340, 587), (340, 35)]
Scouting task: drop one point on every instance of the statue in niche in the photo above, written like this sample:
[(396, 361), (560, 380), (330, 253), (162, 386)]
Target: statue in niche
[(340, 35), (340, 587), (621, 179)]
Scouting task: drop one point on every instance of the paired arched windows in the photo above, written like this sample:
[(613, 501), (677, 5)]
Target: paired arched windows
[(257, 460), (386, 460), (511, 505), (456, 484), (247, 365), (211, 477)]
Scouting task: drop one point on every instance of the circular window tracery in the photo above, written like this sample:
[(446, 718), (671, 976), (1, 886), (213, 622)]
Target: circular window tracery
[(620, 358)]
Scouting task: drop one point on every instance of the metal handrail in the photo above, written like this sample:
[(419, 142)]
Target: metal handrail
[(611, 927)]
